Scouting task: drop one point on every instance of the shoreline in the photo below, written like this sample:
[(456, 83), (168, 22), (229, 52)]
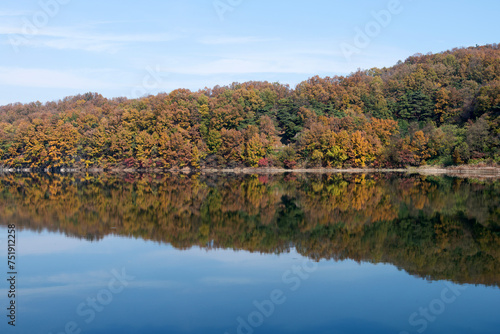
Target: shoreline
[(460, 171)]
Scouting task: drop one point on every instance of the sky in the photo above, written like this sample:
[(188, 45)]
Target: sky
[(50, 49)]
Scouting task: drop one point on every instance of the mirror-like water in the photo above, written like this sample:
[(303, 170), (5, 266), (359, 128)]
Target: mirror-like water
[(252, 254)]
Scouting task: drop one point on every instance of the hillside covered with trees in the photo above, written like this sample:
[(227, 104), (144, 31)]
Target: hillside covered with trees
[(431, 109)]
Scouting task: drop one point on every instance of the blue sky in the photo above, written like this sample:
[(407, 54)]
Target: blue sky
[(50, 49)]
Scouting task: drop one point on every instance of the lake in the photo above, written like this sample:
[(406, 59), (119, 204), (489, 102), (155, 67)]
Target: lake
[(226, 253)]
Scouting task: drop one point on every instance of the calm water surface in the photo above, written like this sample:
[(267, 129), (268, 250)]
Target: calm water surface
[(252, 254)]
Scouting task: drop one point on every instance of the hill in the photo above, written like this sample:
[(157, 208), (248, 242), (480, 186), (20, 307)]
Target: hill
[(431, 109)]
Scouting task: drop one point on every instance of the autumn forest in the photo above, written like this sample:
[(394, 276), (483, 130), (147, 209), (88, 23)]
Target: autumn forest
[(436, 109)]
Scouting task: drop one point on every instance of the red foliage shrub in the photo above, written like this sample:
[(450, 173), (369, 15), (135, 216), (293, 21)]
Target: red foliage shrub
[(290, 164), (264, 162)]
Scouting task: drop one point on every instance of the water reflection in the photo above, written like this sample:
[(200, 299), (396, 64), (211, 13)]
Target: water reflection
[(250, 254), (219, 291), (440, 228), (433, 227)]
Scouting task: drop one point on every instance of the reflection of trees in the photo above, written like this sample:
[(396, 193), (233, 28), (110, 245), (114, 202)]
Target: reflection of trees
[(440, 228)]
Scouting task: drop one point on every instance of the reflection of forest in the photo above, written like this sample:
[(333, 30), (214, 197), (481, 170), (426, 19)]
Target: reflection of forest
[(433, 227)]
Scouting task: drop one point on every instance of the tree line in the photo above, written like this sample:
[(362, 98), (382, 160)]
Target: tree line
[(441, 109)]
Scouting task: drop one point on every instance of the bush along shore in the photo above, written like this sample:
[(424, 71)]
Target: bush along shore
[(430, 110)]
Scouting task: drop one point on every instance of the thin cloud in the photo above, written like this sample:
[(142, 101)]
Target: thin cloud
[(69, 278), (62, 38), (47, 78), (220, 40), (285, 59), (75, 288), (228, 281), (78, 44), (262, 64)]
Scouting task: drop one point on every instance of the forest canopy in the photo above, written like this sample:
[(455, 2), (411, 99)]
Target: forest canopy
[(439, 109)]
